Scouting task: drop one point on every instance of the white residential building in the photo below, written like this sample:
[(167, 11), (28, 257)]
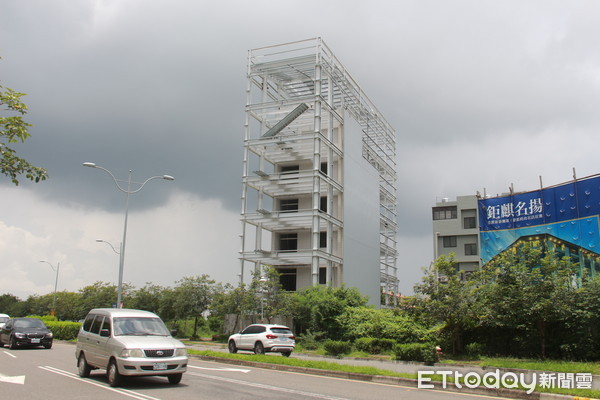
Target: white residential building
[(319, 174)]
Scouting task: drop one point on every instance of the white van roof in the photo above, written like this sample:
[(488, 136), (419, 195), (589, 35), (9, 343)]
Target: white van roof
[(123, 312)]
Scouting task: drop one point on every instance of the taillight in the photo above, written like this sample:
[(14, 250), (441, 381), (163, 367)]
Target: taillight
[(271, 336), (292, 337)]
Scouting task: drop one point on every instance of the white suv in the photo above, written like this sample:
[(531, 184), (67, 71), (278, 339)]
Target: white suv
[(128, 343), (262, 338)]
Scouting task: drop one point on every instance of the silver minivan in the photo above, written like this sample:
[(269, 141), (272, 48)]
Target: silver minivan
[(128, 342)]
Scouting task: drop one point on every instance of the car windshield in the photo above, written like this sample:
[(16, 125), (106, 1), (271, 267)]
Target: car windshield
[(3, 319), (29, 323), (140, 326)]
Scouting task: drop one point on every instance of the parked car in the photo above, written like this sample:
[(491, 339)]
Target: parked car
[(128, 342), (263, 338), (30, 332), (3, 319)]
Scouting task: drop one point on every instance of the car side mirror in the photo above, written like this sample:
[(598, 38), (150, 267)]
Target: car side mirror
[(173, 332), (104, 332)]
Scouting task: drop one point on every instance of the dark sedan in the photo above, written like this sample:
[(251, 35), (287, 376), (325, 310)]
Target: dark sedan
[(25, 332)]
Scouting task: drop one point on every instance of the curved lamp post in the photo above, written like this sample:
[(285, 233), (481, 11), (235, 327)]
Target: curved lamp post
[(55, 284), (128, 192)]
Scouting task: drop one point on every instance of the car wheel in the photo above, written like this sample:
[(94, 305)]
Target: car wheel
[(174, 379), (112, 372), (13, 343), (232, 347), (83, 367), (286, 353), (259, 348)]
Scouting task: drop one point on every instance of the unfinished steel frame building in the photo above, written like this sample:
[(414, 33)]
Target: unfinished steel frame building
[(319, 174)]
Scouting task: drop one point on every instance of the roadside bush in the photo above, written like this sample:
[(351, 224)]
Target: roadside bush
[(220, 338), (421, 352), (44, 317), (374, 345), (309, 340), (337, 347), (64, 330), (474, 349)]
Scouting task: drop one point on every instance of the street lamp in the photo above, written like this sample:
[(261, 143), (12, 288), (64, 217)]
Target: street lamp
[(55, 284), (128, 192), (115, 250)]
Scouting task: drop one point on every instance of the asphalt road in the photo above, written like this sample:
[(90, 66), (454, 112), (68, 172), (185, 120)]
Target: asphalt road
[(52, 375)]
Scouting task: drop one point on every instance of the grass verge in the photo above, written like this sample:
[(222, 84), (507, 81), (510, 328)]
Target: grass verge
[(489, 362)]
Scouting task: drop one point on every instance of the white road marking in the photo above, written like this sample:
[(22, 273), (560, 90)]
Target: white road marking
[(13, 379), (269, 387), (222, 369), (126, 392), (10, 354)]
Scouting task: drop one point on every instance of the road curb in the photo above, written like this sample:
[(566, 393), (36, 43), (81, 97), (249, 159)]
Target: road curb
[(393, 380)]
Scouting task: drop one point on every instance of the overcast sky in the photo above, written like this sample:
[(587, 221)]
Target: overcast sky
[(482, 94)]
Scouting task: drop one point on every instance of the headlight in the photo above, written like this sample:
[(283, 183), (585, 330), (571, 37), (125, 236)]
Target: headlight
[(20, 335), (181, 352), (137, 353), (49, 335)]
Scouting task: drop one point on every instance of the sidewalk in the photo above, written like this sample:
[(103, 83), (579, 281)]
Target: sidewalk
[(408, 367)]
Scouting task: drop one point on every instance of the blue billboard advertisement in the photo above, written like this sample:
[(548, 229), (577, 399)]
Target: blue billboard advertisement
[(569, 212)]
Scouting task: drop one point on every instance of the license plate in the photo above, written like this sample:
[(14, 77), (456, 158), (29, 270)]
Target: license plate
[(35, 340), (160, 366), (283, 339)]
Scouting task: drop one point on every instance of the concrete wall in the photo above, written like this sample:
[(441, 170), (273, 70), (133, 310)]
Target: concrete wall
[(361, 217)]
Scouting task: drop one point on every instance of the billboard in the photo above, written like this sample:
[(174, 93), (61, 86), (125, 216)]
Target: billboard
[(569, 212)]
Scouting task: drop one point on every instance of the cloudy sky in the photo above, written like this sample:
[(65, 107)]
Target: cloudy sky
[(483, 94)]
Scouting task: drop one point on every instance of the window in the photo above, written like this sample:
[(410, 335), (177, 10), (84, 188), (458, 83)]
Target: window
[(106, 324), (469, 223), (87, 324), (97, 324), (289, 169), (289, 172), (323, 204), (322, 240), (324, 168), (287, 279), (470, 249), (322, 276), (288, 205), (444, 213), (288, 241), (449, 241)]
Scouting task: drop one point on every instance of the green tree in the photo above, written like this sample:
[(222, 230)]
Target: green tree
[(447, 299), (14, 129), (193, 297), (526, 290), (97, 295), (11, 305), (238, 300), (317, 308), (147, 298), (269, 298)]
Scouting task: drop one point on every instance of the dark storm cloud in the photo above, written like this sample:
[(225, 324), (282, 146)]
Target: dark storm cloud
[(481, 93)]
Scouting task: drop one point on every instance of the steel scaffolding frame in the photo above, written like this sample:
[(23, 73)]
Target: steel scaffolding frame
[(297, 96)]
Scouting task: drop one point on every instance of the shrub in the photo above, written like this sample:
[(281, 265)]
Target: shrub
[(337, 347), (64, 330), (422, 352), (475, 349), (374, 345), (309, 340), (220, 338), (44, 317)]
